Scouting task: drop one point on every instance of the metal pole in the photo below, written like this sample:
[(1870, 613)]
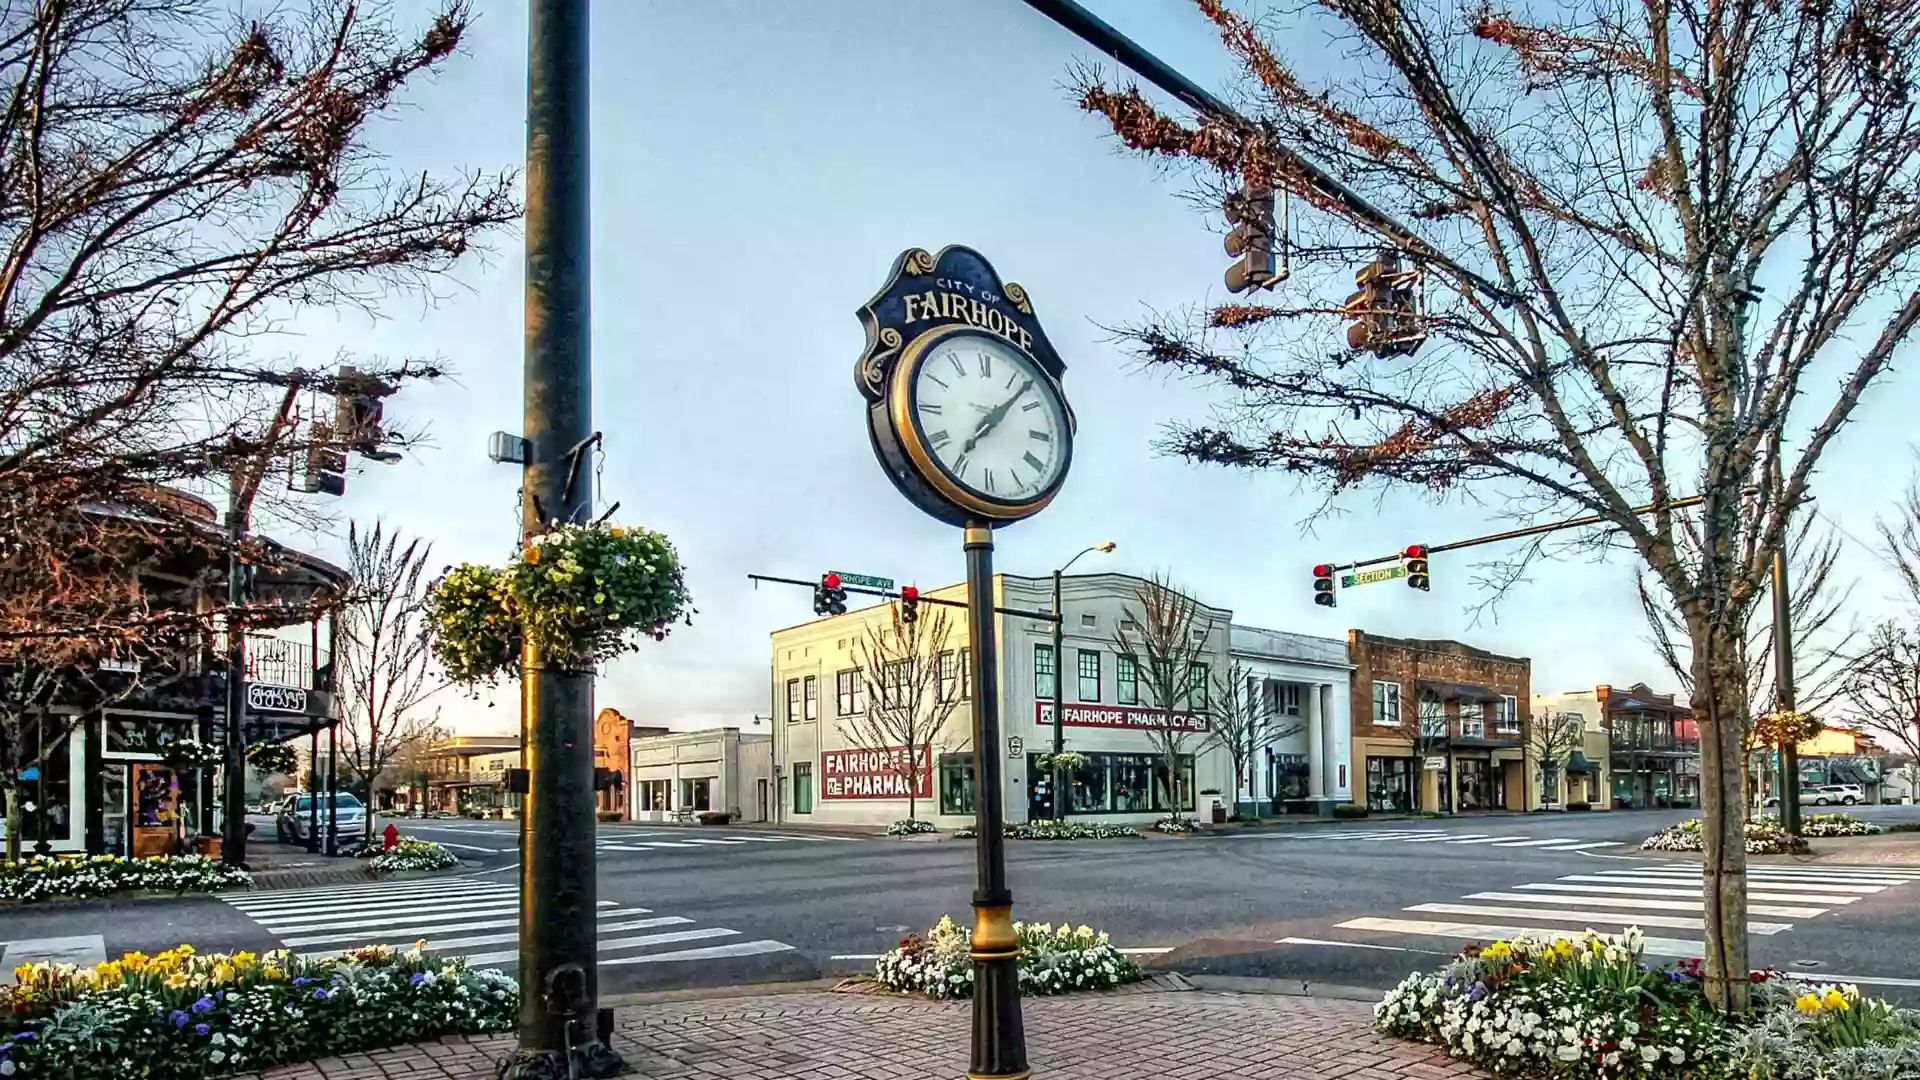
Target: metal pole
[(999, 1039), (1783, 684), (1059, 701), (559, 976), (333, 789), (313, 792), (42, 845), (233, 842)]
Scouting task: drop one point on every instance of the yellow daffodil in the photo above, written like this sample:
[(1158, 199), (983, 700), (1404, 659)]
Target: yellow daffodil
[(223, 973), (1834, 999), (176, 981), (1807, 1003)]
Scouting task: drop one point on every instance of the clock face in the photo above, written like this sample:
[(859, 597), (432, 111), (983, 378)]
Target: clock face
[(991, 418)]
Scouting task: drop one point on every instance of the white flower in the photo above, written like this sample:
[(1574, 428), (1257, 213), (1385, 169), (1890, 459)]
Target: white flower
[(1568, 1053)]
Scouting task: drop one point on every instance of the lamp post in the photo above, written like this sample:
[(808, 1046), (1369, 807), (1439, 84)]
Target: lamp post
[(1058, 802)]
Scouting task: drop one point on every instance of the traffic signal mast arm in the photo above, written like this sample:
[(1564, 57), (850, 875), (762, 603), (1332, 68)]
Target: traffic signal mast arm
[(1515, 534), (889, 594), (1088, 28)]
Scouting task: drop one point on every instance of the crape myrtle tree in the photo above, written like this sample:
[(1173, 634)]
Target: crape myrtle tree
[(1601, 191)]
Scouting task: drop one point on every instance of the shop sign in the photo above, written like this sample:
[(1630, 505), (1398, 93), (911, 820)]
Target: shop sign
[(262, 697), (1117, 716), (878, 773), (1016, 747), (1435, 764)]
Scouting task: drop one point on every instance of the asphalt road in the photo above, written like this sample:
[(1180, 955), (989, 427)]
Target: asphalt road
[(1324, 904)]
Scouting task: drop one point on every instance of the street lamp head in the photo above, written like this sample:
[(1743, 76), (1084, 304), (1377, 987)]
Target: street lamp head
[(1106, 547)]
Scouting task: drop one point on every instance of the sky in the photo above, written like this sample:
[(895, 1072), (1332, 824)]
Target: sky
[(757, 166)]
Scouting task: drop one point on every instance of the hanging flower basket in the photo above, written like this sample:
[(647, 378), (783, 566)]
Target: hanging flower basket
[(270, 758), (579, 594), (1065, 760), (187, 754), (1782, 728)]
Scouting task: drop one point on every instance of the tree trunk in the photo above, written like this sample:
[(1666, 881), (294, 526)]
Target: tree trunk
[(14, 822), (1720, 709)]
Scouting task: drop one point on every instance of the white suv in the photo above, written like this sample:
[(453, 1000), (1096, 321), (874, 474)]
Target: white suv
[(1829, 794)]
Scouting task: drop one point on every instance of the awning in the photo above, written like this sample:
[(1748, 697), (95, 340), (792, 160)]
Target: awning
[(1476, 742), (1471, 692), (1577, 763)]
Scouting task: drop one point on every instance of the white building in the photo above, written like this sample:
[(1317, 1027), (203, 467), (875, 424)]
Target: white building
[(831, 771), (687, 772)]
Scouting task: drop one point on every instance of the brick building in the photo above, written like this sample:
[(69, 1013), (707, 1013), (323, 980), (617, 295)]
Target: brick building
[(1436, 724), (613, 735)]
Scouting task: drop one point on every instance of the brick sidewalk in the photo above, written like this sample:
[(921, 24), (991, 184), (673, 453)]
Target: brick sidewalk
[(1176, 1035)]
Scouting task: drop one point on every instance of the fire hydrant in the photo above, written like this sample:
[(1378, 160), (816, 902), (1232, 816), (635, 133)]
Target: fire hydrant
[(391, 836)]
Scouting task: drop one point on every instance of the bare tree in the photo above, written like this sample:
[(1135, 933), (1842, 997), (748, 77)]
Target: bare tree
[(1240, 720), (1599, 198), (1552, 738), (386, 670), (900, 666), (179, 184), (1165, 636)]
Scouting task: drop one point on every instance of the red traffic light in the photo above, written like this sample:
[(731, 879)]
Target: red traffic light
[(1416, 551), (1323, 570), (909, 592), (831, 581)]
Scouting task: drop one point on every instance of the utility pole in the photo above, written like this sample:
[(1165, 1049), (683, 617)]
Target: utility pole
[(1058, 801), (559, 1031)]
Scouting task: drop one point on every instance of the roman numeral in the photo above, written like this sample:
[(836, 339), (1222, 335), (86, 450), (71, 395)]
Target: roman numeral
[(930, 407), (990, 487), (1038, 465), (959, 368), (1012, 377), (935, 380), (960, 466), (939, 439), (1030, 406), (986, 366), (1036, 433)]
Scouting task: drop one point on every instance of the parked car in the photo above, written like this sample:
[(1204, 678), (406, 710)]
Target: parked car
[(290, 825), (1827, 795)]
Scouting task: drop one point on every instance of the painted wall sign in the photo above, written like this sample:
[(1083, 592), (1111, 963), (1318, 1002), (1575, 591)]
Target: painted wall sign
[(1117, 716), (262, 697), (875, 773)]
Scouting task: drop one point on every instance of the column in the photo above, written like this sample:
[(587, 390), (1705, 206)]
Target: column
[(1318, 786), (1331, 741)]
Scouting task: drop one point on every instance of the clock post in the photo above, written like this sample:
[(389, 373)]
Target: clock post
[(968, 419)]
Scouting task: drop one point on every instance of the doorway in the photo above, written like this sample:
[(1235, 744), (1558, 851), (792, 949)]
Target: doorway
[(760, 790), (155, 805)]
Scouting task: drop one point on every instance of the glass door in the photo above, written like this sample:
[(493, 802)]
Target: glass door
[(156, 809), (113, 809)]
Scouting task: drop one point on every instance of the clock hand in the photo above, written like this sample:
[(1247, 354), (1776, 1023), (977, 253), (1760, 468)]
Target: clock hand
[(993, 418)]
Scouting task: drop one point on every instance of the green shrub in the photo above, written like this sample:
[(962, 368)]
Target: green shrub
[(714, 817), (1349, 810)]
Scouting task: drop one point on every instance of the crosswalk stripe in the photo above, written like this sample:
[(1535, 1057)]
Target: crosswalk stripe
[(1652, 946), (1851, 884), (440, 913), (416, 930), (1594, 918), (606, 945), (729, 843), (451, 944), (1486, 839), (1630, 878), (1644, 903), (712, 952), (1755, 873), (1447, 837), (353, 894), (1588, 846), (1641, 890), (295, 908), (1529, 843)]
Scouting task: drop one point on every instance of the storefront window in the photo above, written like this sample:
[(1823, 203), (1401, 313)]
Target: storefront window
[(1288, 776), (803, 787), (1120, 784), (1476, 783), (696, 794), (46, 788), (653, 794), (1390, 783), (956, 783)]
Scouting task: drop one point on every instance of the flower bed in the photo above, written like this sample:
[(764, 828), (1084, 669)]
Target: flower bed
[(1052, 961), (910, 827), (1588, 1006), (1173, 825), (1831, 825), (1045, 829), (180, 1014), (411, 854), (1763, 838), (59, 877)]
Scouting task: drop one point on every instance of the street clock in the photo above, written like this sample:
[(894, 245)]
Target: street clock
[(965, 407)]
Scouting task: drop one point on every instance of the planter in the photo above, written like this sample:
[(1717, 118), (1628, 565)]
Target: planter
[(714, 817), (209, 846)]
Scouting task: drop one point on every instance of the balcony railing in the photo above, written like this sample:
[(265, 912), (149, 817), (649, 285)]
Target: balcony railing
[(277, 661)]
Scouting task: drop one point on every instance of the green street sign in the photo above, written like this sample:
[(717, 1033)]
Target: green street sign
[(1368, 577), (865, 581)]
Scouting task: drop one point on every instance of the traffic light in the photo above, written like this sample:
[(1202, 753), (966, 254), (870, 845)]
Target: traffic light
[(1389, 314), (1250, 211), (1323, 593), (909, 603), (1414, 559), (829, 597), (326, 466), (358, 413)]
